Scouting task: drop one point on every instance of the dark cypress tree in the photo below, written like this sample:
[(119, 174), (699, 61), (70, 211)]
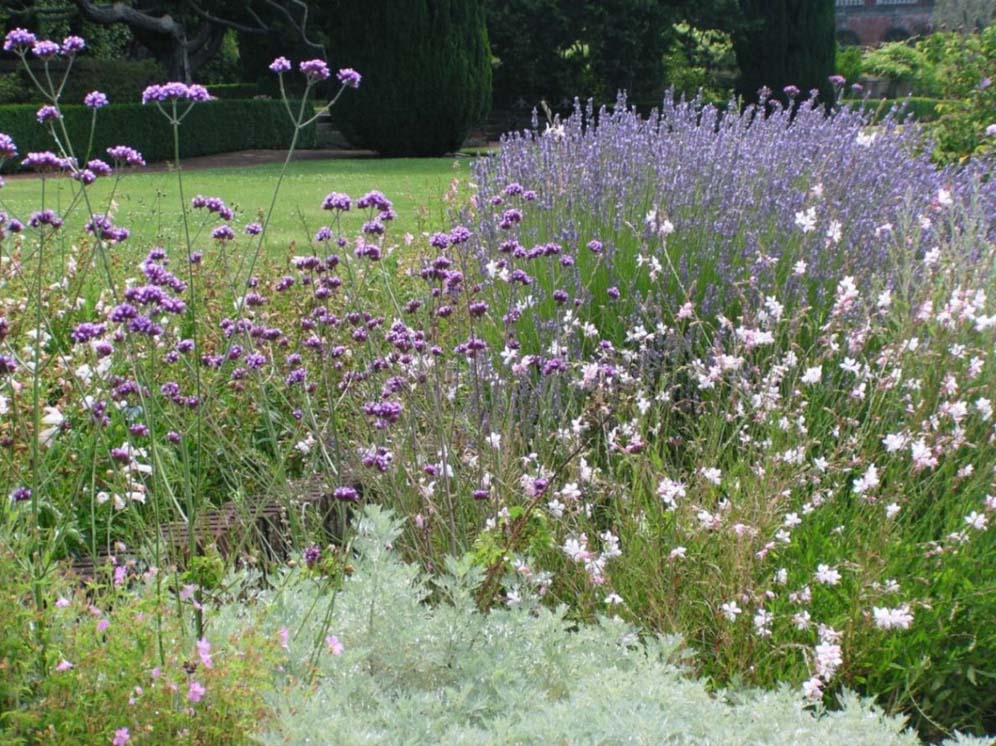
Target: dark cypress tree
[(426, 69), (785, 42)]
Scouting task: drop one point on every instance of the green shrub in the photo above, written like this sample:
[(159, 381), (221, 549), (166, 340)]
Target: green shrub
[(425, 82), (701, 60), (214, 127), (956, 67), (13, 90), (108, 658), (849, 62), (408, 672)]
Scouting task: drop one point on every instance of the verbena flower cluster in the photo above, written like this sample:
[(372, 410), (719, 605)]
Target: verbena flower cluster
[(175, 92)]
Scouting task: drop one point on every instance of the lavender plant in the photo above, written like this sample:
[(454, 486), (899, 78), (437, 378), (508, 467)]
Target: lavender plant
[(783, 200)]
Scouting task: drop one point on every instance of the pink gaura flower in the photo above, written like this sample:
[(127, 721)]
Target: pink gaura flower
[(335, 647), (195, 692)]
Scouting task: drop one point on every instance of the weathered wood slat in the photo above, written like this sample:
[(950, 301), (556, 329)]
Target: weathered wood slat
[(233, 529)]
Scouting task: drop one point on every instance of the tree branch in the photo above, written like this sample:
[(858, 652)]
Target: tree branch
[(300, 27), (118, 12), (228, 23)]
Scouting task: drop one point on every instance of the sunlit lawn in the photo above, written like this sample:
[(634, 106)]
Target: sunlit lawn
[(148, 203)]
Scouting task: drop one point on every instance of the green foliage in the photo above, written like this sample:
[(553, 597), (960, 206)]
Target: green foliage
[(213, 127), (785, 42), (626, 42), (223, 67), (545, 63), (587, 48), (850, 62), (122, 80), (907, 68), (110, 657), (426, 82), (701, 60), (13, 90), (414, 673), (956, 67)]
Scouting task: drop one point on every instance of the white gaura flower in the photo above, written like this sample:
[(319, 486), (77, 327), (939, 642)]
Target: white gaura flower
[(731, 610), (978, 521), (826, 575), (834, 231), (712, 474), (556, 132), (813, 375), (52, 422), (806, 219), (898, 618), (865, 139)]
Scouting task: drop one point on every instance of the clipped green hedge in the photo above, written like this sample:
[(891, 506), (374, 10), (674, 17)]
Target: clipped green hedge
[(234, 90), (213, 127)]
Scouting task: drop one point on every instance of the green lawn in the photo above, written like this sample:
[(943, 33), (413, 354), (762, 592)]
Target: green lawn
[(148, 203)]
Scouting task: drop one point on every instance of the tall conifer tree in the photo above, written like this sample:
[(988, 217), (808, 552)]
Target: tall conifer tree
[(426, 68)]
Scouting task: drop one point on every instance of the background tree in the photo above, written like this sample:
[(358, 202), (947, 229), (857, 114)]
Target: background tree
[(536, 51), (426, 69), (558, 49), (785, 42), (185, 34)]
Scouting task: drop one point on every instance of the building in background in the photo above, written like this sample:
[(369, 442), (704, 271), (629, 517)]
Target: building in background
[(871, 22)]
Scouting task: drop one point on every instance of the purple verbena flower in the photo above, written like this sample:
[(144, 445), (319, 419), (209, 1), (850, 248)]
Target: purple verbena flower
[(45, 161), (315, 70), (45, 49), (349, 77), (45, 217), (8, 149), (95, 100), (98, 167), (18, 40), (47, 114), (337, 201), (124, 155), (223, 233), (175, 91), (374, 199), (312, 554), (280, 65), (346, 494), (73, 45)]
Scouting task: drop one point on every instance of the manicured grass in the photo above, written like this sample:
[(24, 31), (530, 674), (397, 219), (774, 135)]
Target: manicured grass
[(148, 203)]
